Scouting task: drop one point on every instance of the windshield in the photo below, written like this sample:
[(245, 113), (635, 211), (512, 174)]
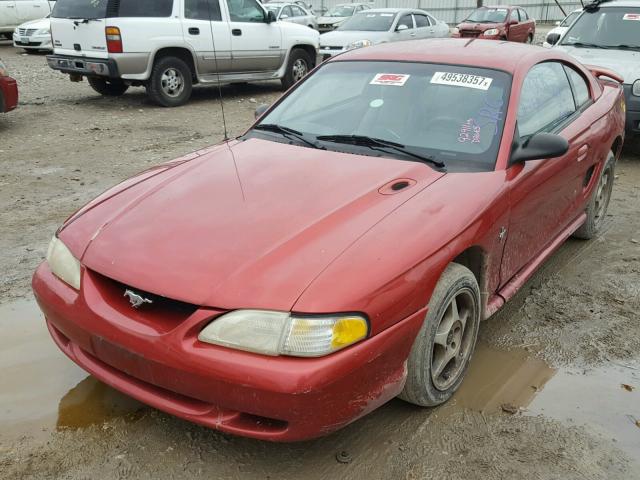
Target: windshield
[(80, 9), (454, 114), (369, 22), (609, 27), (488, 15), (569, 19), (340, 11)]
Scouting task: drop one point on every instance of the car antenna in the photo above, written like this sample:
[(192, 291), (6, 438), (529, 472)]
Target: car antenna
[(215, 62)]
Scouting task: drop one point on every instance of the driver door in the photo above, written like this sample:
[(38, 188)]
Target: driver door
[(256, 45), (407, 33)]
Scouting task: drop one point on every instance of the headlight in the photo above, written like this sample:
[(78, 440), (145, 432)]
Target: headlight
[(636, 88), (491, 31), (455, 31), (359, 44), (43, 31), (283, 333), (63, 264)]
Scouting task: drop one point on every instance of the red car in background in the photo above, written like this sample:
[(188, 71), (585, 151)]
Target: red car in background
[(498, 23), (8, 91), (344, 250)]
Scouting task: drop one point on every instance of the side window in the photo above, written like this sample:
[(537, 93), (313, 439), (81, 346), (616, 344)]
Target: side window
[(432, 20), (514, 15), (421, 20), (580, 87), (297, 11), (406, 20), (523, 15), (545, 100), (245, 11), (202, 10), (287, 11), (145, 8), (364, 7)]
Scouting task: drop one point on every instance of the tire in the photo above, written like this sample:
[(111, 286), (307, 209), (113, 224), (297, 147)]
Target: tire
[(171, 82), (426, 386), (597, 207), (530, 39), (108, 88), (299, 65)]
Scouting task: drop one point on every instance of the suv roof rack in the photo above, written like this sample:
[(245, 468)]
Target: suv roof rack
[(593, 6)]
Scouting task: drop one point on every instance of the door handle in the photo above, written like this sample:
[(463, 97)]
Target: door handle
[(236, 32), (194, 31), (582, 152), (412, 34)]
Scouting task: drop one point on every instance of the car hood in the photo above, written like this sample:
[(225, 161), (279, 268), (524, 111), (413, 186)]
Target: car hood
[(624, 62), (331, 20), (39, 23), (342, 38), (250, 226), (481, 27)]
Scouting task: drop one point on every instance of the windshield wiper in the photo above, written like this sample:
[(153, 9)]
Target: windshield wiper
[(377, 144), (79, 20), (624, 47), (585, 45), (287, 132)]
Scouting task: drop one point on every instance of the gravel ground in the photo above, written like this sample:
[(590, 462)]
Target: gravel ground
[(577, 316)]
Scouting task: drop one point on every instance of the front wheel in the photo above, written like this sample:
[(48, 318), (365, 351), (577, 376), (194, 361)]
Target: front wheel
[(108, 88), (443, 348), (298, 66), (530, 39), (599, 202), (171, 82)]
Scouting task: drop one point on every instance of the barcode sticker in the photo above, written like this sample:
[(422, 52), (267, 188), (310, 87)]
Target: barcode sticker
[(462, 80)]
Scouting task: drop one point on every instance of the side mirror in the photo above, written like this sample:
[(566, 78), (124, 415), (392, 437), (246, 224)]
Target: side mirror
[(557, 24), (271, 17), (553, 38), (401, 28), (260, 109), (540, 146)]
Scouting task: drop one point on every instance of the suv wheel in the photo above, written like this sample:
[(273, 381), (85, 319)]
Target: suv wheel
[(299, 65), (108, 88), (170, 83)]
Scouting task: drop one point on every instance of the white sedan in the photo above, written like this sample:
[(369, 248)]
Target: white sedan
[(381, 25), (561, 28), (34, 35)]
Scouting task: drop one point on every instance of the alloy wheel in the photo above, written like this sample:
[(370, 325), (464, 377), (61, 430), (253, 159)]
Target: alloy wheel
[(453, 342), (299, 70), (172, 82), (602, 195)]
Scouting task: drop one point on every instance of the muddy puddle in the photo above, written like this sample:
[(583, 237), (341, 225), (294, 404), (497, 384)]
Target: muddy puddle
[(43, 391)]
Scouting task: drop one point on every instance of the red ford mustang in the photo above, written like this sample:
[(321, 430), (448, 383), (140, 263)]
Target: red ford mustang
[(8, 91), (344, 250)]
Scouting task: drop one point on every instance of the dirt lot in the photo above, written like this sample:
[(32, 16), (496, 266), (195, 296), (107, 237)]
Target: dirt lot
[(559, 353)]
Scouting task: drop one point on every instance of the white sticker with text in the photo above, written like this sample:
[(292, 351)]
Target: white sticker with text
[(395, 79), (631, 16), (462, 80)]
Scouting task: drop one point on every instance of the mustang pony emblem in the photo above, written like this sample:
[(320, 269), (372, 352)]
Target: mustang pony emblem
[(135, 299)]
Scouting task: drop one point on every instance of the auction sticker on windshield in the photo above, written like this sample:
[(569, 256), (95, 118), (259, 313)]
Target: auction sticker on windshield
[(631, 16), (395, 79), (462, 80)]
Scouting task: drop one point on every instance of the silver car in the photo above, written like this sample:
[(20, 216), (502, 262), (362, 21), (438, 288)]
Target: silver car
[(381, 25), (337, 15), (293, 13)]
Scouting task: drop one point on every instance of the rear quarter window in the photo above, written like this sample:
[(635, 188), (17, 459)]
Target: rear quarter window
[(145, 8)]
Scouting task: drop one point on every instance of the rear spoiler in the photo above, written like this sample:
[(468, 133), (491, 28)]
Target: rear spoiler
[(605, 73)]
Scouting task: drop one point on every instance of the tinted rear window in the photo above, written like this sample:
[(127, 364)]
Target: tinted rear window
[(80, 9), (112, 8), (145, 8)]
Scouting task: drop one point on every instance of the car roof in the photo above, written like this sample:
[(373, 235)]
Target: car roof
[(618, 3), (500, 55), (390, 10), (504, 7)]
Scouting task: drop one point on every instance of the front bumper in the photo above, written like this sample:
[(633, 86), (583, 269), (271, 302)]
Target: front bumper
[(84, 66), (160, 362), (35, 42), (633, 110)]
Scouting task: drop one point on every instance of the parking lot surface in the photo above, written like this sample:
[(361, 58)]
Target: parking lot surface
[(546, 396)]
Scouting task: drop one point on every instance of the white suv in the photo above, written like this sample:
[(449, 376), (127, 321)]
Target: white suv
[(169, 45)]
